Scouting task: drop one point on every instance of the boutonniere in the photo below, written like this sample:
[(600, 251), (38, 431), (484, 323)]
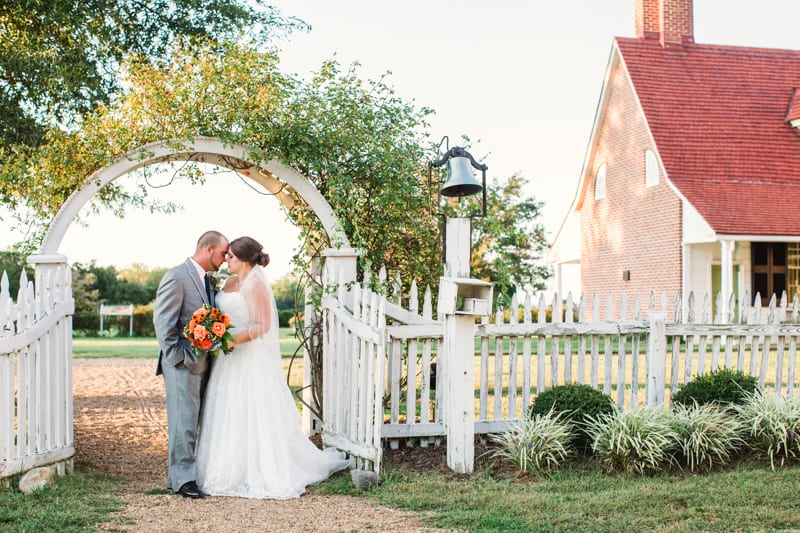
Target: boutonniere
[(217, 280)]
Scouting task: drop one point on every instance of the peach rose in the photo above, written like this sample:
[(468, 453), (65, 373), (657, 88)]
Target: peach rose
[(218, 329), (200, 332)]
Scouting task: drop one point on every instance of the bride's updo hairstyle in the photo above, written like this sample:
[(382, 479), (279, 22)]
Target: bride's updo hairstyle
[(249, 250)]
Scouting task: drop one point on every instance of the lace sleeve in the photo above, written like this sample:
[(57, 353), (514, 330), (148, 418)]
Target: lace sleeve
[(260, 305)]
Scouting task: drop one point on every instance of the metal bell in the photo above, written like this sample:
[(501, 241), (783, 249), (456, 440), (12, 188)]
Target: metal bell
[(460, 179)]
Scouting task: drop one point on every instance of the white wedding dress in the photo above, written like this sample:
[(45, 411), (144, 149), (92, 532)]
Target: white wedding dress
[(251, 443)]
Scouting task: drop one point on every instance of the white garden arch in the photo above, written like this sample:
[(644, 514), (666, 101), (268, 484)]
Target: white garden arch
[(36, 426), (200, 149)]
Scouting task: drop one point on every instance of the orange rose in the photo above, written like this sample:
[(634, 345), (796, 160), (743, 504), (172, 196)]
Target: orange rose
[(200, 332), (218, 329), (206, 344)]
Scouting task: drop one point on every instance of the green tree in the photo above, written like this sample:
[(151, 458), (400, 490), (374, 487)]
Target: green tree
[(12, 263), (364, 149), (118, 287), (284, 291), (59, 59), (509, 244), (87, 299)]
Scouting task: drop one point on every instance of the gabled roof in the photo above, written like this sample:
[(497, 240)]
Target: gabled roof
[(719, 116)]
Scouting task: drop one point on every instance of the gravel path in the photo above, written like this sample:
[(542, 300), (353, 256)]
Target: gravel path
[(120, 429)]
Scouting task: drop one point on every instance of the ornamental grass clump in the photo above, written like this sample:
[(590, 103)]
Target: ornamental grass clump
[(640, 441), (708, 435), (772, 423), (537, 444)]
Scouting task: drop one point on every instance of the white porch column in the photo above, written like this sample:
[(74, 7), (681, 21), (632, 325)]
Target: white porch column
[(726, 267)]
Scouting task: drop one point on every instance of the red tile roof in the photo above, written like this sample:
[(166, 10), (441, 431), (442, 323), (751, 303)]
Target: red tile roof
[(718, 115)]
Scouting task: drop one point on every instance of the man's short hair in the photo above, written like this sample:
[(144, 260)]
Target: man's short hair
[(209, 238)]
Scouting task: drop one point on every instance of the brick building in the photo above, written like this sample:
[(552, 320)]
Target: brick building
[(691, 179)]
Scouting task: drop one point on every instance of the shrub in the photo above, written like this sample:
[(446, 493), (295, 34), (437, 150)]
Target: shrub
[(537, 444), (724, 386), (772, 423), (87, 322), (284, 317), (576, 402), (708, 435), (143, 320), (638, 442)]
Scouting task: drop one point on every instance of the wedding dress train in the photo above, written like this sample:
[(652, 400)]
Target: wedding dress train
[(251, 443)]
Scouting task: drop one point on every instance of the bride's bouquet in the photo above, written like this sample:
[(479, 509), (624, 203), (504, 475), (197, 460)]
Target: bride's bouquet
[(208, 331)]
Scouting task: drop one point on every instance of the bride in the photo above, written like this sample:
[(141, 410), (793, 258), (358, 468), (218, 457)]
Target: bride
[(251, 443)]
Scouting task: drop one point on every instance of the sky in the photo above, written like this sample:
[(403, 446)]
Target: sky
[(520, 78)]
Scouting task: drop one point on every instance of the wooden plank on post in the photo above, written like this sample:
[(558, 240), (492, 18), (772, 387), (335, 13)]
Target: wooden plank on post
[(498, 370), (657, 361), (483, 394), (512, 363)]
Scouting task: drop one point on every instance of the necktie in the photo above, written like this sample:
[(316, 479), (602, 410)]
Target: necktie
[(208, 287)]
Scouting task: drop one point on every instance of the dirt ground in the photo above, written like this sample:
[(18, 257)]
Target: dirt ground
[(120, 429)]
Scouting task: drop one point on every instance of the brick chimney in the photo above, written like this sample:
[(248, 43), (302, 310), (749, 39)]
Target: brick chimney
[(669, 21)]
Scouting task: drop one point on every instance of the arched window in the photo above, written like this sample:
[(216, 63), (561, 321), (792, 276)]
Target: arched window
[(600, 183), (650, 169)]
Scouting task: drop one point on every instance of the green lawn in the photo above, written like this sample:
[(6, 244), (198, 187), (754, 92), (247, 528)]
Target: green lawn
[(147, 347), (748, 496)]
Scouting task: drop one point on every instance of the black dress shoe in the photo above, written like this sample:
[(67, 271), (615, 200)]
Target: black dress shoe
[(190, 490)]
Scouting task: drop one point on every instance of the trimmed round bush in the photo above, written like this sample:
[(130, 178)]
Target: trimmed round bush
[(576, 402), (723, 386)]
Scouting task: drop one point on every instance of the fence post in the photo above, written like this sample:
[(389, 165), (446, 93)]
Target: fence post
[(656, 360), (459, 416)]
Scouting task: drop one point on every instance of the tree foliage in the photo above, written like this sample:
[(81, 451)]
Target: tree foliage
[(365, 149), (11, 264), (60, 58), (509, 243)]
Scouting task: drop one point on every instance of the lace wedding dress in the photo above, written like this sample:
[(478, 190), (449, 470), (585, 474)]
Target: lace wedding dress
[(251, 443)]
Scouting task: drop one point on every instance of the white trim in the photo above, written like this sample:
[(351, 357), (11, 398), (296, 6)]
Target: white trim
[(759, 238)]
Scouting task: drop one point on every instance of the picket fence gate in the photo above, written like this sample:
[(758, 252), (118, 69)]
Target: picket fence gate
[(383, 380), (36, 373)]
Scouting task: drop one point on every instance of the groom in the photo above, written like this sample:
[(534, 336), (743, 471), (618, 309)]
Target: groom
[(182, 291)]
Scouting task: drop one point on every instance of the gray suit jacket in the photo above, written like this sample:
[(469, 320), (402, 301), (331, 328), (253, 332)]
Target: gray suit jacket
[(179, 295)]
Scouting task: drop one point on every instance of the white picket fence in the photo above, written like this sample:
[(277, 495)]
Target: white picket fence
[(635, 354), (353, 375), (36, 373)]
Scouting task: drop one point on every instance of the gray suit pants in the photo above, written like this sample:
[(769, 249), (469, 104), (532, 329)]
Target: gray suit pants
[(184, 394)]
